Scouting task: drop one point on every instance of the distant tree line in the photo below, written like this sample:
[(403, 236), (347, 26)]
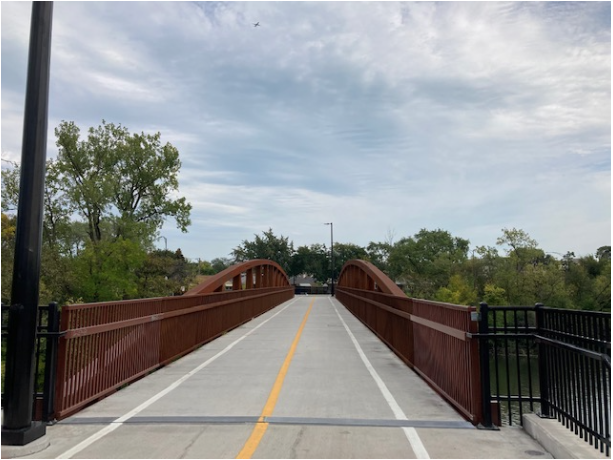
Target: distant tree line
[(108, 193), (435, 265)]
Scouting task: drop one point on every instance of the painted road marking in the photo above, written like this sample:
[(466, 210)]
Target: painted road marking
[(119, 421), (260, 428), (410, 432)]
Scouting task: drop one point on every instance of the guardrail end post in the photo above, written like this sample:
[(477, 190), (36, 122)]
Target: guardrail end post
[(545, 411), (53, 327), (484, 359)]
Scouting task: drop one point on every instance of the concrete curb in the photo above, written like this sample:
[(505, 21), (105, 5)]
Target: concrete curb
[(29, 449), (557, 439)]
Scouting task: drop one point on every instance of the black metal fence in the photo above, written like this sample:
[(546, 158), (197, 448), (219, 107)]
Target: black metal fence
[(47, 334), (551, 361)]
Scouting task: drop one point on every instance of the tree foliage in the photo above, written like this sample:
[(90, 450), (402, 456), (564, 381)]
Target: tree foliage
[(106, 196), (123, 178), (278, 249), (427, 261), (313, 260)]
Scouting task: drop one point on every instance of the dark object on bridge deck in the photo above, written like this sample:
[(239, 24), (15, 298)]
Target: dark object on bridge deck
[(310, 290), (17, 426), (567, 352)]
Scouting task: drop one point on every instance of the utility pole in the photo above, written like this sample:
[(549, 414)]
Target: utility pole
[(18, 429)]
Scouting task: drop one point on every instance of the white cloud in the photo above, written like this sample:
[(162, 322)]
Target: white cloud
[(465, 116)]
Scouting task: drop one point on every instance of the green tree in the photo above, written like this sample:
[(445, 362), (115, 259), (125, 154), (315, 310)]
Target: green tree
[(219, 264), (344, 252), (278, 249), (458, 292), (107, 270), (127, 179), (105, 198), (426, 261), (603, 253), (378, 254), (516, 273), (164, 273), (494, 295), (311, 260)]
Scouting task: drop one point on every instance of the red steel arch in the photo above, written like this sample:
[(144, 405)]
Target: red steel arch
[(253, 274), (359, 274)]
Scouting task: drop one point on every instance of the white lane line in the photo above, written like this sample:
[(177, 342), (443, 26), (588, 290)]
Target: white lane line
[(411, 434), (119, 421)]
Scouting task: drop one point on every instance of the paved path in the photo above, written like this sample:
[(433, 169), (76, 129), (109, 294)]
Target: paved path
[(304, 380)]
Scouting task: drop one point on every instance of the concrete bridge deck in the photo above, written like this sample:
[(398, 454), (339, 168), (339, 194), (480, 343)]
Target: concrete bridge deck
[(304, 380)]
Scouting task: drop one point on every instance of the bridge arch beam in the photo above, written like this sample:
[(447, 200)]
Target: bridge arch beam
[(360, 274), (252, 274)]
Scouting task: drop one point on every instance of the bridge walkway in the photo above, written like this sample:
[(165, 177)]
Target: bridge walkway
[(304, 380)]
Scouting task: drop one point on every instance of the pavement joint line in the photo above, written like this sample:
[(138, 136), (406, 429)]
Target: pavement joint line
[(120, 421), (272, 420), (414, 440)]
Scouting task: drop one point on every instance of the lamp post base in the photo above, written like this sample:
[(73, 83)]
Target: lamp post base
[(23, 436)]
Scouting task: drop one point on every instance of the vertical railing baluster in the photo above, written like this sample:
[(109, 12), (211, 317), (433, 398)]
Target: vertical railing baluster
[(517, 366), (528, 342), (543, 361)]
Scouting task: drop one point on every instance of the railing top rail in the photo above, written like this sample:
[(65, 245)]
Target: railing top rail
[(127, 302), (583, 351), (450, 306), (598, 314), (513, 308), (601, 314)]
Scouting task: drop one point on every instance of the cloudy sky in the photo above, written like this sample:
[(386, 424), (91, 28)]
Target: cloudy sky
[(383, 118)]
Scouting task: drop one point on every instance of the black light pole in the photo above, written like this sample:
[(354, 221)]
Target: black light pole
[(331, 255), (18, 429)]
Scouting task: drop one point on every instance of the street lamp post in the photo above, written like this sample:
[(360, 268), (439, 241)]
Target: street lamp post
[(331, 256), (18, 429)]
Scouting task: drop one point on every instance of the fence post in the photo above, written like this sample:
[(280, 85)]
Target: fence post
[(53, 328), (484, 358), (542, 363)]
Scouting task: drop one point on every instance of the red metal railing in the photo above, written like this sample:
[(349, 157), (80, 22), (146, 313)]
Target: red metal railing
[(107, 345), (431, 337)]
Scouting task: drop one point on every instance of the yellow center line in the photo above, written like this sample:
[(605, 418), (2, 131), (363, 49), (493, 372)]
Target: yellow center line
[(260, 428)]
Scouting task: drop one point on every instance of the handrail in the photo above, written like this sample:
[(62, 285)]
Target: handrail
[(433, 338), (583, 351), (106, 345)]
